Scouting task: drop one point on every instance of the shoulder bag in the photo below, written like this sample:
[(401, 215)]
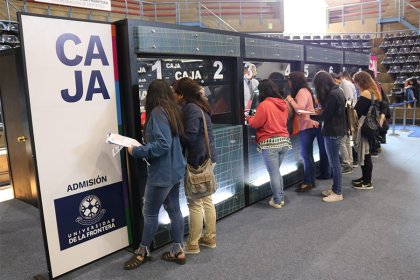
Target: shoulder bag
[(370, 126), (201, 182)]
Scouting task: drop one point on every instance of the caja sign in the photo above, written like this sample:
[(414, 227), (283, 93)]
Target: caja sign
[(73, 92), (94, 51)]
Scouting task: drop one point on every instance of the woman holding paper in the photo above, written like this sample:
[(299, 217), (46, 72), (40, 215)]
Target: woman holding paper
[(194, 107), (333, 116), (162, 133), (302, 98)]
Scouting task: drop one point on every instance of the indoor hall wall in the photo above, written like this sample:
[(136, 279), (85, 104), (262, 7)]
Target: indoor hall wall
[(368, 25)]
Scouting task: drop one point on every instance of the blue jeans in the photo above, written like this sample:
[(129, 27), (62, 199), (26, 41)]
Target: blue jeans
[(154, 197), (306, 138), (409, 94), (273, 159), (332, 146)]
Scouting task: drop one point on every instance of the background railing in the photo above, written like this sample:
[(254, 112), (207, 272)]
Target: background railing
[(385, 11), (226, 15), (221, 24), (350, 12)]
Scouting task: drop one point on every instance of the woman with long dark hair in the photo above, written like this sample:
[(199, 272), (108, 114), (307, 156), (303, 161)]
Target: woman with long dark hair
[(272, 136), (194, 106), (302, 98), (163, 130), (333, 116), (368, 91)]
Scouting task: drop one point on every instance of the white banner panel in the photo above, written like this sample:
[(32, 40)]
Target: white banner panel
[(73, 102), (104, 5)]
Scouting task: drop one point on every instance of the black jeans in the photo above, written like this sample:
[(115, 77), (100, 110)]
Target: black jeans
[(367, 169)]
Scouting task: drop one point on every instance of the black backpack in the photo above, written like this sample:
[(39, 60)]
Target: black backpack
[(370, 126)]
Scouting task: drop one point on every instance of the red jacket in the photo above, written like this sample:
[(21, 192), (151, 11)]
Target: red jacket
[(270, 120)]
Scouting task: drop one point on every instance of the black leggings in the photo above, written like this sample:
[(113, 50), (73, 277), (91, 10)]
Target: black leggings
[(367, 169)]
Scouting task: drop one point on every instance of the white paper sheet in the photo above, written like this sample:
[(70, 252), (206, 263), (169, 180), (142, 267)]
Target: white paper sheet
[(120, 140), (305, 112)]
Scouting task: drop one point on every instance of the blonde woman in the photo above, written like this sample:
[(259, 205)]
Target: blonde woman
[(368, 91)]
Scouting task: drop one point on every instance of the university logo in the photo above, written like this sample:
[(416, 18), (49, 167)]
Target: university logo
[(90, 210)]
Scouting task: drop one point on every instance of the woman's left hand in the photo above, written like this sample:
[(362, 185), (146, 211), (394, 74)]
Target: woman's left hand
[(130, 150)]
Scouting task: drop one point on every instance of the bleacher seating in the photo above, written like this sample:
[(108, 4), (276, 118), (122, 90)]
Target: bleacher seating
[(356, 42), (366, 37), (8, 35), (404, 51), (4, 47), (394, 70), (412, 59), (408, 42), (389, 36), (392, 51), (385, 44), (397, 43), (399, 60), (388, 60), (347, 37), (415, 50), (400, 80), (402, 59), (407, 69)]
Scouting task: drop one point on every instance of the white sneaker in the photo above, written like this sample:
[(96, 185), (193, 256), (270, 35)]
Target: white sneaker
[(333, 198), (327, 192), (272, 204)]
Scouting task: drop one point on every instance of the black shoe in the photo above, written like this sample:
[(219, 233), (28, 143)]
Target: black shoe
[(355, 163), (363, 186), (356, 181), (346, 169), (304, 188)]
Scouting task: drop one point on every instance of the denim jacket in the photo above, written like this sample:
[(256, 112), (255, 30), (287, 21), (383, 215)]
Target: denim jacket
[(163, 151)]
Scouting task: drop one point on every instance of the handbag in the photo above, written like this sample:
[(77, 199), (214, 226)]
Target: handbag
[(370, 126), (295, 127), (201, 182)]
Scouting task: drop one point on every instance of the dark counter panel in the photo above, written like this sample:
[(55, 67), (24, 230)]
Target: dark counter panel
[(323, 55), (163, 40), (229, 171), (272, 50)]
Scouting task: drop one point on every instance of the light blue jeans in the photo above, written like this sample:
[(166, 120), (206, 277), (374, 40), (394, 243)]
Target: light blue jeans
[(273, 159), (154, 197), (332, 147)]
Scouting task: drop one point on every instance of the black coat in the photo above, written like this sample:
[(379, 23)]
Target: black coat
[(333, 114)]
